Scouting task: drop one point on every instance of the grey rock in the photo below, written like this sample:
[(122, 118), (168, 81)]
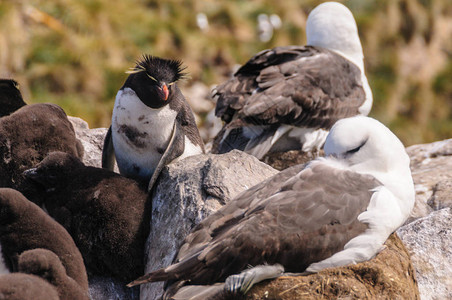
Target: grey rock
[(431, 166), (92, 141), (187, 192), (107, 288), (441, 195), (429, 242)]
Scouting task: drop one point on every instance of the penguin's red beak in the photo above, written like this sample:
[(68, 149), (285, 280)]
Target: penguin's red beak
[(163, 91)]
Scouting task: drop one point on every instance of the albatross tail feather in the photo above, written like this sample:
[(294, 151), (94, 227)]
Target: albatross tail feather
[(177, 271), (158, 275)]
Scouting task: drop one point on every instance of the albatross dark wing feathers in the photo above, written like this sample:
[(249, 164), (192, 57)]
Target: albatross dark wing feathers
[(295, 218), (296, 85)]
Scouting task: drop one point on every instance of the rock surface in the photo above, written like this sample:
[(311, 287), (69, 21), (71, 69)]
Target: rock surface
[(188, 191), (431, 167), (91, 139), (107, 288), (429, 242)]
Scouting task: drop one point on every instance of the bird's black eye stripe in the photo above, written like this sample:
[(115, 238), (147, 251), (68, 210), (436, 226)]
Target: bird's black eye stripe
[(354, 150)]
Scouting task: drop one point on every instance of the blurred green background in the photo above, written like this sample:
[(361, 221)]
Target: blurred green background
[(75, 52)]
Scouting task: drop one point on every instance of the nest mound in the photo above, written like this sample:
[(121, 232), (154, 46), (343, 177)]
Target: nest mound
[(390, 275)]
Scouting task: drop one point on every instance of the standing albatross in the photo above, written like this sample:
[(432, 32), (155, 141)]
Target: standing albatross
[(331, 212), (287, 98)]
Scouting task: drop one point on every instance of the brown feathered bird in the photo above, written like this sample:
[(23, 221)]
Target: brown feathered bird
[(28, 135), (25, 226), (106, 214)]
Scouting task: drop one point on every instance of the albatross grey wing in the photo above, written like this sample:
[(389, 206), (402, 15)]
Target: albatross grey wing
[(304, 218), (232, 136), (108, 152), (230, 214), (297, 85), (301, 86), (233, 94)]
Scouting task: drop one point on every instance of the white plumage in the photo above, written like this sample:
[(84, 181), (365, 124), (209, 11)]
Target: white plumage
[(154, 125), (382, 156)]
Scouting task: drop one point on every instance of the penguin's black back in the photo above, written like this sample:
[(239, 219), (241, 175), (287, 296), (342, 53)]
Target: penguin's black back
[(186, 118)]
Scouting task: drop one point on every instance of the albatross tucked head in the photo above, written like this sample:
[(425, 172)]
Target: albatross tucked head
[(366, 146)]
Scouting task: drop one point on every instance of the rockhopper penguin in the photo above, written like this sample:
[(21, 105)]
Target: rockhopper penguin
[(152, 124)]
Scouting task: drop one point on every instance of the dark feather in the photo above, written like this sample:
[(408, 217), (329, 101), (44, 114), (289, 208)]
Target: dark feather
[(234, 139), (10, 97), (108, 152), (297, 85), (166, 70)]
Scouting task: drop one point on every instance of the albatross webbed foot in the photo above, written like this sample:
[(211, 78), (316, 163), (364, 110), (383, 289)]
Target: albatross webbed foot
[(244, 281)]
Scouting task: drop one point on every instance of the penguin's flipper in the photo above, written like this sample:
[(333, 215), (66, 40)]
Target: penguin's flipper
[(172, 151), (108, 152)]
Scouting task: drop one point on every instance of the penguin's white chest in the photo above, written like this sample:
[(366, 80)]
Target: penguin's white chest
[(140, 134)]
